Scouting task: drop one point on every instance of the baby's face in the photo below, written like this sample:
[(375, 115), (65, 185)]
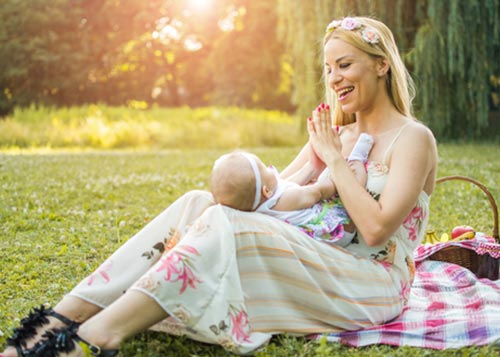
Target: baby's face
[(269, 175)]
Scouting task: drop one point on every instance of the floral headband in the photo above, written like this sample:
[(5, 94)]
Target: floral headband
[(351, 24)]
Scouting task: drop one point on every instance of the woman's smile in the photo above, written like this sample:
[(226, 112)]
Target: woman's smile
[(343, 93)]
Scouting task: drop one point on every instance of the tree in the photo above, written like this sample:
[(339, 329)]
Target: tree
[(38, 54), (247, 58), (456, 54), (64, 52)]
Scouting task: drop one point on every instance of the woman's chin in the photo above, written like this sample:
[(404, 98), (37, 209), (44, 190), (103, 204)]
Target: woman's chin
[(347, 109)]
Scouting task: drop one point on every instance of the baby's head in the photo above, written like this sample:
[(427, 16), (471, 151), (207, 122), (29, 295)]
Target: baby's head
[(241, 180)]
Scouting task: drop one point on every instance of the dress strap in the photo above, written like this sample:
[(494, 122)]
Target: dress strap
[(389, 148)]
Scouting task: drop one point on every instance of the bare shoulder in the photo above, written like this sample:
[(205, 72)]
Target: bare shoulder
[(417, 140), (418, 133)]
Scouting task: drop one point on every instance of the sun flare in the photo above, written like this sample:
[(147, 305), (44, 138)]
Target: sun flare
[(200, 5)]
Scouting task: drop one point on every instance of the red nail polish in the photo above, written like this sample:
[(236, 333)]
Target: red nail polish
[(322, 105), (309, 119), (319, 109), (337, 128), (327, 107)]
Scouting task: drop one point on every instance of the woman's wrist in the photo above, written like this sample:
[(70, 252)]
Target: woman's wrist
[(334, 160)]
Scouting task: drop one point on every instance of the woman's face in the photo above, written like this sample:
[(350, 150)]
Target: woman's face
[(352, 74)]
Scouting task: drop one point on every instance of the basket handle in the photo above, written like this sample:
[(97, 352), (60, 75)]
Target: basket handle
[(486, 191)]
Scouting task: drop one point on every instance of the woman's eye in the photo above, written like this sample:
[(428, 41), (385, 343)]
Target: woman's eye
[(344, 65), (328, 70)]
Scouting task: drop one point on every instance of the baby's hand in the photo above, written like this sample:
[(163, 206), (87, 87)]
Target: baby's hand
[(326, 187), (359, 170)]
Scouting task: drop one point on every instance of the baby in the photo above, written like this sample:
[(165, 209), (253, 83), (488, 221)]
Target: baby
[(241, 180)]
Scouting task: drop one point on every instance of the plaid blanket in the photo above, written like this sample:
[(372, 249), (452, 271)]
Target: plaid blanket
[(449, 307)]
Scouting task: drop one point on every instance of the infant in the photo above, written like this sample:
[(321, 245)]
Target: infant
[(242, 181)]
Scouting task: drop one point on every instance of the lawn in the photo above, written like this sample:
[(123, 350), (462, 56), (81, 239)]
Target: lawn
[(63, 212)]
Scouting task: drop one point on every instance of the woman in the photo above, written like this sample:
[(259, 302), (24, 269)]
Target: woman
[(236, 278)]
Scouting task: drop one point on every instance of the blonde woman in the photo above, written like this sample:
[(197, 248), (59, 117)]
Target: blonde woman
[(236, 278)]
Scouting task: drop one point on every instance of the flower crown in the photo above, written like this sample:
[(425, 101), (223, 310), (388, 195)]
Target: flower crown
[(351, 24)]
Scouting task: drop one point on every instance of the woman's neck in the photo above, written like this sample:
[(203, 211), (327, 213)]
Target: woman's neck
[(382, 118)]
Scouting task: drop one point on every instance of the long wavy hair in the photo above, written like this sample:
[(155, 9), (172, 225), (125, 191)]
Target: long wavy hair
[(399, 84)]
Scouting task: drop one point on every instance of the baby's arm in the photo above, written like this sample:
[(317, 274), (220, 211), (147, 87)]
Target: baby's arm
[(358, 168), (300, 197)]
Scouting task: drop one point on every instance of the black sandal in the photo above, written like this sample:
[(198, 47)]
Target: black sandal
[(36, 318), (64, 340)]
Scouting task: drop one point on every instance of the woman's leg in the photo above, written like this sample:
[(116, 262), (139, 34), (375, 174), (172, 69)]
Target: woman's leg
[(130, 314), (127, 264)]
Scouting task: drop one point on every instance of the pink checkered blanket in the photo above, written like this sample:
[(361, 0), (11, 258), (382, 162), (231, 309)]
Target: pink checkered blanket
[(449, 307)]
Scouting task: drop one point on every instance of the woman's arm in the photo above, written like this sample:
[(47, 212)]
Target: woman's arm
[(305, 168), (413, 160)]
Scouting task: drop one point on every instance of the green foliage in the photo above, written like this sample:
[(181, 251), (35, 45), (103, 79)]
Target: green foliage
[(62, 213), (39, 56), (456, 53), (65, 52), (121, 127)]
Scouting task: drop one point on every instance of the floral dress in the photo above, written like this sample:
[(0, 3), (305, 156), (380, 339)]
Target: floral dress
[(236, 278)]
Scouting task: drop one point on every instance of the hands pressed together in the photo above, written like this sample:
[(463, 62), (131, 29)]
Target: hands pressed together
[(323, 138)]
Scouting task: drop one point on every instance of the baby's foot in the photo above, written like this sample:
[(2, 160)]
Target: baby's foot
[(362, 148)]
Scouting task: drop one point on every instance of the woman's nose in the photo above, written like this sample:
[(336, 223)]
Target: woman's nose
[(334, 78)]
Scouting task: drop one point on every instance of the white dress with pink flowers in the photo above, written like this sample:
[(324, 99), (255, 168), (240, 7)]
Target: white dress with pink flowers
[(236, 278)]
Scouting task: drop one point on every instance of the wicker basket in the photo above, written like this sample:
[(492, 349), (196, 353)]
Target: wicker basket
[(484, 266)]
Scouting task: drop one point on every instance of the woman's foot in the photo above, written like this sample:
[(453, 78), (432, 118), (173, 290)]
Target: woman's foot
[(67, 342), (32, 328)]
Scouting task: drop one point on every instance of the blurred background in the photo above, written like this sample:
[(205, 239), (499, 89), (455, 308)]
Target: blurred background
[(110, 65)]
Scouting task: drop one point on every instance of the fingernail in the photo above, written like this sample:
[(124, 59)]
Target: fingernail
[(323, 105), (337, 128), (327, 107), (309, 119), (319, 109)]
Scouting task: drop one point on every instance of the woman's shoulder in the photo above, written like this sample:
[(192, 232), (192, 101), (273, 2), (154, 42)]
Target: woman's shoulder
[(417, 140), (416, 131)]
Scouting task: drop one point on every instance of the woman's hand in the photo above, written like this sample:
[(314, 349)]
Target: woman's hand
[(314, 159), (324, 140)]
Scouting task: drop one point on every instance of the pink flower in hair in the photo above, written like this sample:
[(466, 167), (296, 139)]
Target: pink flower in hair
[(349, 23), (370, 35)]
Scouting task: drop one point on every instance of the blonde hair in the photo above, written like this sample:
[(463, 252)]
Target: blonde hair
[(399, 84), (232, 182)]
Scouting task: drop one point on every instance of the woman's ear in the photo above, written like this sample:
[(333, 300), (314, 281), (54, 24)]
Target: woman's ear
[(383, 66)]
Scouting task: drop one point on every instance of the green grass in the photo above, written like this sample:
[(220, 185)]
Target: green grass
[(63, 212)]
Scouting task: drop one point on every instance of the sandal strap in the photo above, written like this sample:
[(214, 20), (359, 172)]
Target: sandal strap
[(63, 318), (91, 350), (64, 340), (37, 317), (19, 351)]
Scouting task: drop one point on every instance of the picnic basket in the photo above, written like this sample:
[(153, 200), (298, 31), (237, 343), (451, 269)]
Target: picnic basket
[(484, 266)]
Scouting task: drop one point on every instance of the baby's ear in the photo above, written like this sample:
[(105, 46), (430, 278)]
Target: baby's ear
[(267, 192)]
